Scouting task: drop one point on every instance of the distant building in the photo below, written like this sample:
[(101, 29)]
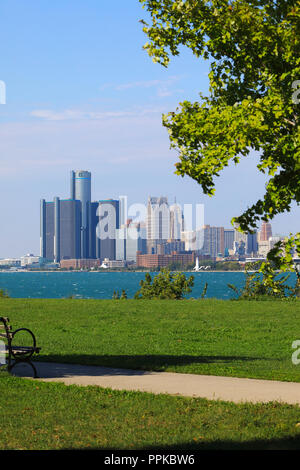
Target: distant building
[(60, 229), (161, 261), (78, 228), (93, 221), (239, 236), (264, 246), (11, 262), (228, 239), (240, 248), (245, 243), (252, 245), (108, 213), (81, 191), (158, 223), (174, 246), (213, 241), (130, 239), (115, 264), (30, 259), (79, 263), (176, 222), (265, 232), (188, 237)]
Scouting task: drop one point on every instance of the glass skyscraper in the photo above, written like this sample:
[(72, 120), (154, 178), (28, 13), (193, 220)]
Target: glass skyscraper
[(60, 229), (81, 191)]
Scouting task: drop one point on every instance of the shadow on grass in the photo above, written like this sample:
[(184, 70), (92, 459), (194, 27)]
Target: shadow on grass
[(143, 362), (288, 443)]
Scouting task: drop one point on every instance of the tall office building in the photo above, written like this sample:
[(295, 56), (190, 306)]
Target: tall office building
[(60, 229), (93, 221), (130, 239), (228, 240), (213, 241), (176, 222), (78, 228), (109, 221), (47, 229), (158, 223), (188, 237), (265, 232), (81, 191), (252, 244)]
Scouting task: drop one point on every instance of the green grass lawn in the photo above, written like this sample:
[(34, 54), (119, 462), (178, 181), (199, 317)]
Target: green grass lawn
[(242, 339), (40, 416)]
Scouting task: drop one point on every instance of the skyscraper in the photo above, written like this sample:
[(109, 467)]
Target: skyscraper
[(176, 222), (93, 221), (213, 241), (252, 245), (130, 239), (78, 228), (108, 213), (228, 240), (60, 229), (158, 223), (265, 232), (47, 230), (81, 191)]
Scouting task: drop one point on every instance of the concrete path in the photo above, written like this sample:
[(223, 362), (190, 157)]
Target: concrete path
[(190, 385)]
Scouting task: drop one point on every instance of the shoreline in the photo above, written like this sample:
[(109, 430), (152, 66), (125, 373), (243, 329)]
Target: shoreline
[(125, 272)]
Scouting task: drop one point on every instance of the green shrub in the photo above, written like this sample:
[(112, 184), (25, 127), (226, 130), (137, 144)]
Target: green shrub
[(165, 285), (265, 285), (4, 294)]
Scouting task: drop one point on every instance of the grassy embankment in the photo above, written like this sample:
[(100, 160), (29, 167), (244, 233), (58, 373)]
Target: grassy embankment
[(246, 339), (242, 339), (38, 415)]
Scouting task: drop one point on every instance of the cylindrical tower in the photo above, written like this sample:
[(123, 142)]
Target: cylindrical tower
[(72, 185), (81, 190)]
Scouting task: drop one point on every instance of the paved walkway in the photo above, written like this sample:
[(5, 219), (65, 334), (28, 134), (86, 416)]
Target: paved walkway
[(204, 386)]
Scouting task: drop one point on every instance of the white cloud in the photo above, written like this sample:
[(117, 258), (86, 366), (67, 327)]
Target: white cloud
[(163, 87), (67, 139), (82, 115)]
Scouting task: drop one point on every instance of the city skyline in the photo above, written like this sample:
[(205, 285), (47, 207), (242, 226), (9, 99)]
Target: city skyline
[(107, 230), (102, 112), (134, 205)]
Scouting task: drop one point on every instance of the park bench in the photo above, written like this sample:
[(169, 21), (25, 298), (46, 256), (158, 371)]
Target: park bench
[(17, 353)]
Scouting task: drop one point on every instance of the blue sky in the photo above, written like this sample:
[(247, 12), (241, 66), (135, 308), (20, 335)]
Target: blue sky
[(83, 94)]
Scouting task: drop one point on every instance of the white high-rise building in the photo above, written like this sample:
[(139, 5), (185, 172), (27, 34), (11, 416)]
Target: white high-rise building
[(130, 238), (176, 222), (158, 222)]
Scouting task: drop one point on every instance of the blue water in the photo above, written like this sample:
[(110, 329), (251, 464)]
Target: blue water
[(99, 285)]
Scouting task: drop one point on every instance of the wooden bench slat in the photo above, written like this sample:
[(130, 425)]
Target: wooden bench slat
[(5, 335)]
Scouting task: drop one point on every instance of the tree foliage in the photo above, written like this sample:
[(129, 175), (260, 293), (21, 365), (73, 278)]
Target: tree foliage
[(253, 48), (165, 285), (266, 284)]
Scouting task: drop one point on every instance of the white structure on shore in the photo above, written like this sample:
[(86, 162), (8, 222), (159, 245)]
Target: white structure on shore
[(197, 268)]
